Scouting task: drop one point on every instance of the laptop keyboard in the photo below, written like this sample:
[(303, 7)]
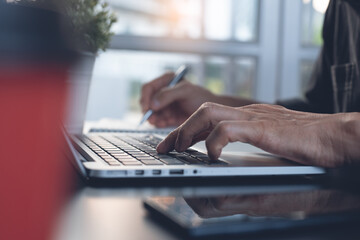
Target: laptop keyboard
[(118, 150)]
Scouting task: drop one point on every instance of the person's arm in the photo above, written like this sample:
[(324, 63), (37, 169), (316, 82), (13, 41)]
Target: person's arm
[(327, 140)]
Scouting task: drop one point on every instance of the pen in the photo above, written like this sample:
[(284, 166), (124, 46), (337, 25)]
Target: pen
[(179, 75)]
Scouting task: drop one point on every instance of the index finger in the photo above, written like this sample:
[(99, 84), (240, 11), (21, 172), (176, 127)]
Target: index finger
[(204, 119)]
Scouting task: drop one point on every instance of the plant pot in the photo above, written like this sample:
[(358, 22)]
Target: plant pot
[(79, 86)]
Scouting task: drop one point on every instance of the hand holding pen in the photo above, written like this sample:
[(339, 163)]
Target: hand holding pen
[(171, 106), (179, 75)]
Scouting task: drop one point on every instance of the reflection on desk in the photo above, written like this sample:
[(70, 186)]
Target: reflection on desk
[(294, 205), (118, 213)]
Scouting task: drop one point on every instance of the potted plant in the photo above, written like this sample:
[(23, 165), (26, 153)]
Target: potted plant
[(91, 21), (90, 32)]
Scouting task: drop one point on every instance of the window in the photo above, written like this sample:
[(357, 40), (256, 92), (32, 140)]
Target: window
[(250, 48), (312, 19), (303, 20), (158, 18), (243, 84), (235, 19), (162, 35)]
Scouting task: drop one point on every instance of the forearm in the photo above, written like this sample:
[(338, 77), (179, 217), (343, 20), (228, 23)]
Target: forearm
[(333, 140), (350, 138), (299, 104)]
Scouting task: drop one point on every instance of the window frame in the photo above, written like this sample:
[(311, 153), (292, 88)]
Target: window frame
[(294, 52), (278, 45)]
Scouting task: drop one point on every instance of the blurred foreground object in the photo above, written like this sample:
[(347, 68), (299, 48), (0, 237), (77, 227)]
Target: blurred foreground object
[(34, 63), (91, 21)]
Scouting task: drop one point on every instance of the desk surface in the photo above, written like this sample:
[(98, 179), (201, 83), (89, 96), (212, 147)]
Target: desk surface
[(118, 213)]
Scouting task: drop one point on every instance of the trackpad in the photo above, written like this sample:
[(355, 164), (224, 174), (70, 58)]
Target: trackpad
[(255, 159)]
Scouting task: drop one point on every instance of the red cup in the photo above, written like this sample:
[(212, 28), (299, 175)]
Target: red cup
[(33, 171)]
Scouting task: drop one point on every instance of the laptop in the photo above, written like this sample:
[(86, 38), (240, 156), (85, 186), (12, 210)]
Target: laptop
[(105, 153), (133, 155)]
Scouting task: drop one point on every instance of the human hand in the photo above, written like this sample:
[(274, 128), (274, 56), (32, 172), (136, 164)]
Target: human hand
[(172, 106), (327, 140)]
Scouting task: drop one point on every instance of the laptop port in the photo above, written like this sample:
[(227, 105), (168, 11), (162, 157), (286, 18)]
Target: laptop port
[(156, 172), (176, 172), (139, 172)]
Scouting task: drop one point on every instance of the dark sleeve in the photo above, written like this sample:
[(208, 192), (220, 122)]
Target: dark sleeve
[(297, 104)]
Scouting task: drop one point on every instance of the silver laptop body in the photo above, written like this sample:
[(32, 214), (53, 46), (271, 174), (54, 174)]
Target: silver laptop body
[(124, 155)]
